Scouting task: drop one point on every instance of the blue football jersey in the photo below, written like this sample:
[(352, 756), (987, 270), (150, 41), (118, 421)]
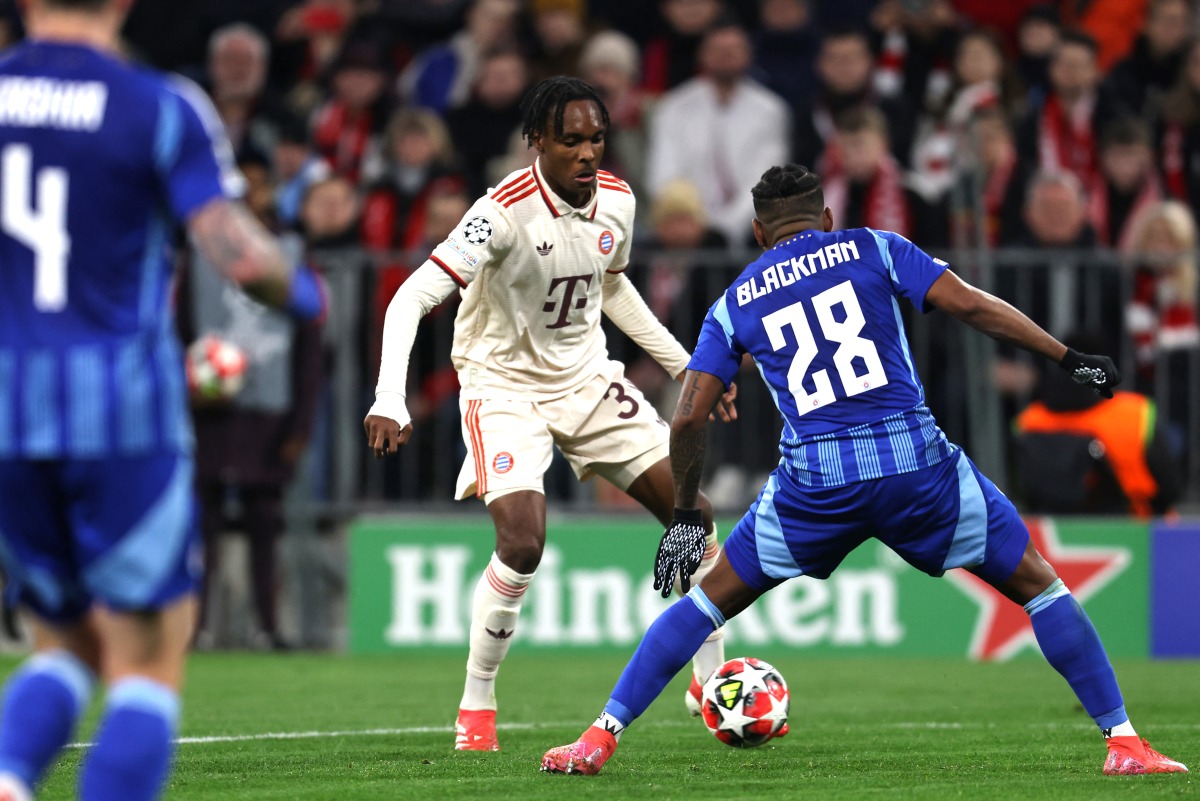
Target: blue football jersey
[(100, 161), (820, 315)]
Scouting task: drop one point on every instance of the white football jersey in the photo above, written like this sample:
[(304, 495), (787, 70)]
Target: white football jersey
[(530, 267)]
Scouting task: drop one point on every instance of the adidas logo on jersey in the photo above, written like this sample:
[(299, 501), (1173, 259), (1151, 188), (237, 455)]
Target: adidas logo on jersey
[(543, 249)]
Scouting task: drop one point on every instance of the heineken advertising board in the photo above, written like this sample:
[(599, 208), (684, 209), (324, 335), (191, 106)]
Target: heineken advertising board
[(411, 583)]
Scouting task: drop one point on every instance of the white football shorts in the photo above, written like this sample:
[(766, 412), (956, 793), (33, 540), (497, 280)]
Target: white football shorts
[(605, 428)]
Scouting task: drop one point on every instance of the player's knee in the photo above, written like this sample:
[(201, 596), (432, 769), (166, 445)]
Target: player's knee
[(520, 553)]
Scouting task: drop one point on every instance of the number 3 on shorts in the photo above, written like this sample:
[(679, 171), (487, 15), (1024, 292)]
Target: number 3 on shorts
[(622, 398)]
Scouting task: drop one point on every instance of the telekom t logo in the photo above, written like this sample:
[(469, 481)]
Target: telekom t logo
[(570, 282)]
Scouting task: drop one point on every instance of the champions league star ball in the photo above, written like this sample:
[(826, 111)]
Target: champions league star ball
[(216, 369), (745, 703)]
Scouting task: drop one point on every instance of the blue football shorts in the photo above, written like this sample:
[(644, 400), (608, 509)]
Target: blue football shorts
[(121, 531), (937, 518)]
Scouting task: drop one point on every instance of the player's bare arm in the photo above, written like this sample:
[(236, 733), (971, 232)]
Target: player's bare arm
[(991, 315), (725, 405), (1000, 320), (701, 392), (243, 250)]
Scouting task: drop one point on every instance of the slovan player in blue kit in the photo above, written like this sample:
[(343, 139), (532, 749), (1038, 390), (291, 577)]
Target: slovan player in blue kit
[(100, 162), (862, 457)]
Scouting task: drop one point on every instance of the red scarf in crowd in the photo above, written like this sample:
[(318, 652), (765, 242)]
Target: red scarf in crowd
[(886, 207), (994, 191), (1158, 320), (1065, 143), (341, 137)]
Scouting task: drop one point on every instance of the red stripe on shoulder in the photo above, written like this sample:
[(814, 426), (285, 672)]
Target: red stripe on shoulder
[(448, 271), (616, 187), (529, 191), (500, 190), (616, 272), (605, 175), (512, 189)]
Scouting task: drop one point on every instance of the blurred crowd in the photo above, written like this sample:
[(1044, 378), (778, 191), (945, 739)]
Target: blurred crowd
[(371, 126)]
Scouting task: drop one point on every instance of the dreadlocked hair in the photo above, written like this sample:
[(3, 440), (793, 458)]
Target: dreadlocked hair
[(787, 192), (552, 96)]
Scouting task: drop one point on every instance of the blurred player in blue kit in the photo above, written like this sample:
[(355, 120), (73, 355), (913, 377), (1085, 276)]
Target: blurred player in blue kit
[(99, 162), (862, 457)]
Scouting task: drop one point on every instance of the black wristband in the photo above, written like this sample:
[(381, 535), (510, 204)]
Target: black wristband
[(693, 516), (1070, 360)]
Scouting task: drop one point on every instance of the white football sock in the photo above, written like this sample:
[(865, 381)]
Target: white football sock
[(712, 651), (610, 724), (1120, 730), (494, 612)]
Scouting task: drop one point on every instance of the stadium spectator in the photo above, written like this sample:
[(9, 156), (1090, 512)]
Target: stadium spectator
[(533, 365), (1126, 183), (1037, 39), (915, 40), (346, 125), (1069, 286), (679, 226), (295, 166), (1179, 137), (1004, 18), (329, 215), (248, 446), (845, 68), (443, 77), (785, 45), (482, 128), (415, 153), (718, 130), (866, 187), (1162, 313), (1080, 453), (670, 58), (1146, 74), (560, 31), (1064, 133), (237, 82), (1112, 24), (309, 36), (609, 62), (993, 182), (980, 80)]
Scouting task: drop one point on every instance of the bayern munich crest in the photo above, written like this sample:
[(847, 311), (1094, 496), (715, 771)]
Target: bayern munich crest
[(606, 242), (478, 230), (503, 462)]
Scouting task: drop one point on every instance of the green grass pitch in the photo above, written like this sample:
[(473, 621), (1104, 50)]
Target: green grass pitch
[(861, 729)]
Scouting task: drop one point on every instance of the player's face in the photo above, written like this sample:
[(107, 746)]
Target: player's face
[(570, 161)]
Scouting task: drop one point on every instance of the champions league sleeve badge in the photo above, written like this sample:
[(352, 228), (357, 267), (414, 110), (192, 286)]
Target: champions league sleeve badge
[(477, 230)]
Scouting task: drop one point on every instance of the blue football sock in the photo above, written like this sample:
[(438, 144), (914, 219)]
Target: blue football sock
[(42, 703), (1072, 647), (668, 645), (132, 754)]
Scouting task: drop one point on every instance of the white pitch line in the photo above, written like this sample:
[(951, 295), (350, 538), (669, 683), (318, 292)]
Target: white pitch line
[(316, 735), (311, 735)]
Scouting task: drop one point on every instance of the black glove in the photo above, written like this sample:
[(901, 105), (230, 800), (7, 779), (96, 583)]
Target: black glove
[(679, 551), (1096, 372)]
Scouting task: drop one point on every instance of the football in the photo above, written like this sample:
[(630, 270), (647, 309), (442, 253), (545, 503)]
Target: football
[(745, 703), (216, 369)]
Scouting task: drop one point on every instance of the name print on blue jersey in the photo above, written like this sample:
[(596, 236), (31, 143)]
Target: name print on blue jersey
[(788, 272)]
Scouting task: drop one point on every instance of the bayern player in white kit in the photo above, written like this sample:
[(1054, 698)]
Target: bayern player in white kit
[(537, 260)]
